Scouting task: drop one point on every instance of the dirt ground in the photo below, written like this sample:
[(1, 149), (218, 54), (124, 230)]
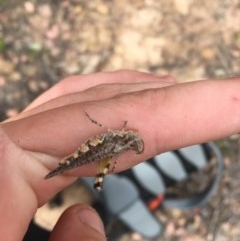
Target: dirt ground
[(41, 42)]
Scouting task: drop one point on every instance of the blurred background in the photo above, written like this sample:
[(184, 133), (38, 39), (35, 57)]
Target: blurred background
[(41, 42)]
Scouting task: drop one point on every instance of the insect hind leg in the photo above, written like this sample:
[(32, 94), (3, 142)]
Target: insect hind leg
[(104, 166)]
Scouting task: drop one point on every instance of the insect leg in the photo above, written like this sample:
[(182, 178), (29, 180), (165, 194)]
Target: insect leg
[(124, 125), (114, 164), (104, 165)]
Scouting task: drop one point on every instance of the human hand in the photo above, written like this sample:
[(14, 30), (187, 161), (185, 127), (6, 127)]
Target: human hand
[(22, 186), (55, 125)]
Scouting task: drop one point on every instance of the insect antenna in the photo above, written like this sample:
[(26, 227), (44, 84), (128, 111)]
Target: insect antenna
[(101, 125), (92, 120)]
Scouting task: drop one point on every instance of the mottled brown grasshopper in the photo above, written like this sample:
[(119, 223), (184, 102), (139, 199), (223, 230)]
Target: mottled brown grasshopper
[(101, 148)]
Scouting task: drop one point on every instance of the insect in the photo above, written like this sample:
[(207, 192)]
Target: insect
[(101, 148)]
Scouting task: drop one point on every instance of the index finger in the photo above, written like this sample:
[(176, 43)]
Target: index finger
[(166, 118)]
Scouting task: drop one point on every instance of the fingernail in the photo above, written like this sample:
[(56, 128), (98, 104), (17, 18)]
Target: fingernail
[(90, 217)]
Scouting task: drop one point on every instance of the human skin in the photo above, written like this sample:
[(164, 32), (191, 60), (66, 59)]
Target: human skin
[(166, 115)]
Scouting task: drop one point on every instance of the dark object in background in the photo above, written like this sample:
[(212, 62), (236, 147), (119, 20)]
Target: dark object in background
[(36, 233)]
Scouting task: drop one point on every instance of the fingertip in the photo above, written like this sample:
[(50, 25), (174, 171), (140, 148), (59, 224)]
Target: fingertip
[(90, 217), (79, 222)]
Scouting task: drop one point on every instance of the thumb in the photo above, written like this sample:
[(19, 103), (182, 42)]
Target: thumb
[(79, 223)]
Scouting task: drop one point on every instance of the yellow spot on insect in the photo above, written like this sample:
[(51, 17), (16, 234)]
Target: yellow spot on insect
[(62, 162), (75, 155), (95, 141), (84, 148), (68, 162)]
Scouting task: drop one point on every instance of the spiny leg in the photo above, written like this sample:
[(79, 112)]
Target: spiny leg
[(104, 166), (114, 164)]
